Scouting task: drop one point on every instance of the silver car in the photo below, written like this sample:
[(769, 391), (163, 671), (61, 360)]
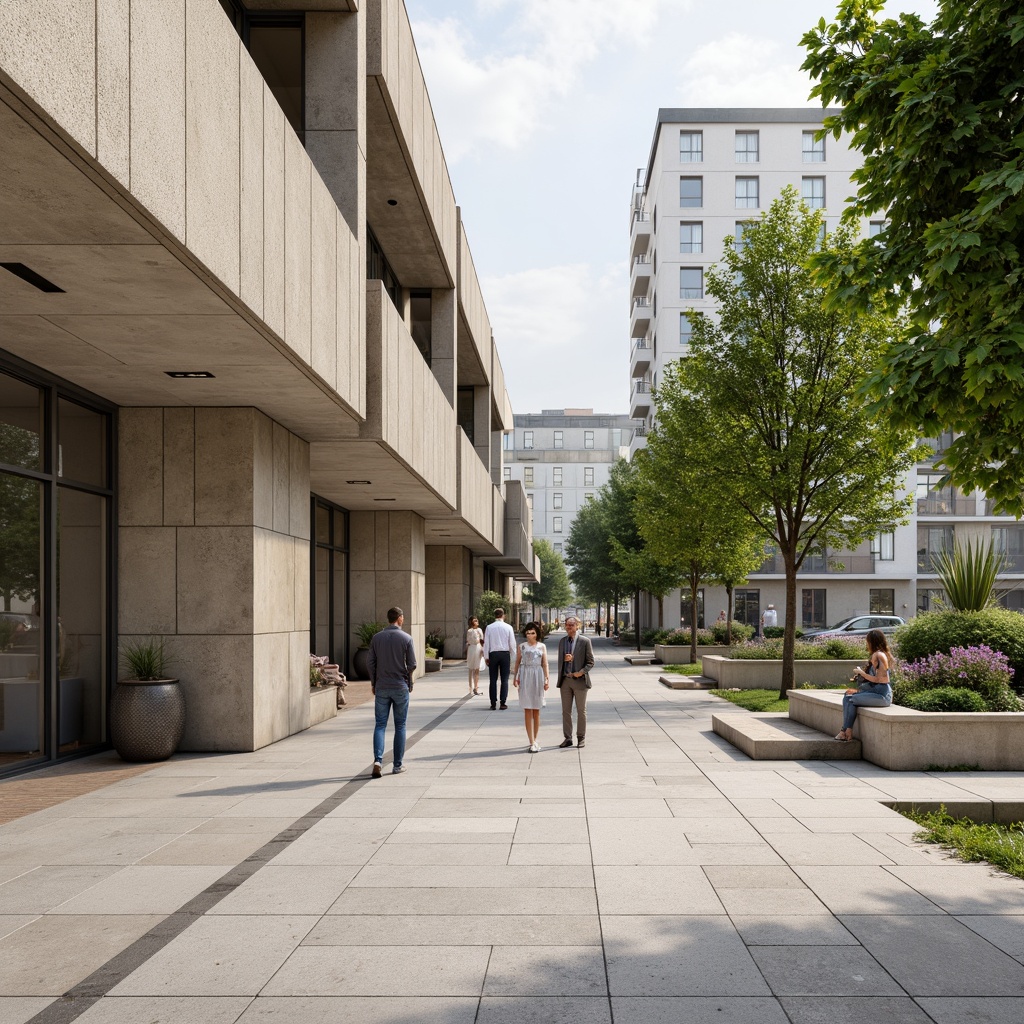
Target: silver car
[(860, 625)]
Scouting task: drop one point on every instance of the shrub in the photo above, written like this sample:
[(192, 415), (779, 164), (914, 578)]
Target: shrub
[(627, 636), (945, 698), (740, 632), (435, 638), (485, 605), (681, 638), (771, 632), (651, 636), (979, 669), (808, 650), (939, 632)]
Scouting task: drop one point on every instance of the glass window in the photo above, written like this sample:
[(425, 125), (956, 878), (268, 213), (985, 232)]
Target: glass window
[(465, 412), (588, 476), (329, 626), (556, 499), (813, 609), (556, 524), (276, 46), (685, 616), (556, 475), (588, 439), (506, 472), (812, 191), (527, 439), (82, 444), (875, 228), (685, 329), (930, 599), (21, 423), (883, 546), (691, 147), (740, 240), (747, 193), (528, 475), (813, 148), (558, 443), (691, 191), (691, 236), (420, 321), (691, 283), (747, 147), (588, 495), (882, 601), (507, 441), (931, 540)]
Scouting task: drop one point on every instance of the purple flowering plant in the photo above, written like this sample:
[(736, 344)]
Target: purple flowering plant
[(980, 668)]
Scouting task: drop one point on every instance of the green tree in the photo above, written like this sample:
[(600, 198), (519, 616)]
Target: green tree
[(938, 112), (20, 515), (774, 381), (553, 590), (588, 552)]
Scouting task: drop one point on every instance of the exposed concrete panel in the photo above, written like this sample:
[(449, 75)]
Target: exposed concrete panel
[(147, 598), (251, 185), (224, 467), (140, 439), (113, 88), (325, 340), (179, 465), (297, 256), (273, 213)]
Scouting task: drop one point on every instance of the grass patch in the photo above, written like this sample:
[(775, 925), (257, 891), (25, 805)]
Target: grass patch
[(1000, 845), (754, 700), (694, 669)]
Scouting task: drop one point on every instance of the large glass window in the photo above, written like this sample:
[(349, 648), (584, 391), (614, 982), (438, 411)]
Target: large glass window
[(691, 283), (329, 593), (420, 319), (691, 147), (686, 611), (556, 475), (748, 147), (813, 606), (813, 148), (882, 600), (931, 541), (691, 236), (813, 192), (747, 607), (747, 193), (685, 330), (691, 192), (588, 476)]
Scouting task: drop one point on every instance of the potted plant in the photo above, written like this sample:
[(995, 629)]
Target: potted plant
[(434, 650), (365, 631), (147, 712)]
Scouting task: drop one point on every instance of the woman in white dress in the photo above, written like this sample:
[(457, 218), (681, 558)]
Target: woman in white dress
[(531, 679), (474, 654)]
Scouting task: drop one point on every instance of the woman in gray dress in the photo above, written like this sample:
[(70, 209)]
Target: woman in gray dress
[(531, 679)]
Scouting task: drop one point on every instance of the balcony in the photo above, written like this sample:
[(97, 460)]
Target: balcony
[(831, 565), (641, 274), (639, 232), (640, 399), (640, 317), (947, 505), (990, 509), (640, 358)]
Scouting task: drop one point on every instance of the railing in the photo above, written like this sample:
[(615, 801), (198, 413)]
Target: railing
[(641, 216), (642, 387), (831, 565), (642, 343), (640, 430), (642, 302), (946, 506), (642, 261)]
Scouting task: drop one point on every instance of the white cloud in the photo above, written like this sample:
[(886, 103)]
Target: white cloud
[(502, 92), (742, 71), (552, 325)]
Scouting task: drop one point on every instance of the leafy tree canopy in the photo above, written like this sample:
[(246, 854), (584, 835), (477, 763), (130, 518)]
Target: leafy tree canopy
[(553, 590), (938, 112)]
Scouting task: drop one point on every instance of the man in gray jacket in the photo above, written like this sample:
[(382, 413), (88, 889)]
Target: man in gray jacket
[(575, 660), (391, 661)]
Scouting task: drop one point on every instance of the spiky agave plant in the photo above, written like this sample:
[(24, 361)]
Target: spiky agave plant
[(968, 575)]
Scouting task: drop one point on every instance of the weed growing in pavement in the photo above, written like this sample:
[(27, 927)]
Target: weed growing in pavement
[(999, 845)]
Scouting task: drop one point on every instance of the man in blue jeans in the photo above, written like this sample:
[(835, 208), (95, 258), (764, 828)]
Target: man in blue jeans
[(392, 661)]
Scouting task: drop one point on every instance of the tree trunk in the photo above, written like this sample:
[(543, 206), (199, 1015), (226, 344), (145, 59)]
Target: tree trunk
[(694, 584), (789, 641), (728, 622), (615, 626), (636, 624), (661, 612)]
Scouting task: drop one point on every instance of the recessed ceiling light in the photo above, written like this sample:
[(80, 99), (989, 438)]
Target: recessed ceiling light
[(189, 374), (392, 202), (29, 276), (385, 499), (358, 483)]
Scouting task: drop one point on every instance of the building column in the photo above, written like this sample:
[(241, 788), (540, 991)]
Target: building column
[(387, 568), (213, 558), (449, 594), (444, 335)]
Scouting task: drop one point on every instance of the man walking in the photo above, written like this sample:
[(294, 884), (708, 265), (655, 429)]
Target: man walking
[(575, 660), (392, 661), (499, 646)]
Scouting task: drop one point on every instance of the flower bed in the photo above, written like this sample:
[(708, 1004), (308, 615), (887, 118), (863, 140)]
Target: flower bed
[(669, 654), (756, 674), (966, 679)]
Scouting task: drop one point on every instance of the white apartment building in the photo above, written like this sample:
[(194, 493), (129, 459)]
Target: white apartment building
[(709, 172), (562, 457)]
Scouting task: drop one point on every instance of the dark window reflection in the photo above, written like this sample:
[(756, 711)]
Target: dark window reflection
[(21, 423), (82, 444), (276, 49)]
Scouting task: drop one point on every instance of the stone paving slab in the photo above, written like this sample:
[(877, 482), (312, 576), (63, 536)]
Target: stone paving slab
[(657, 874)]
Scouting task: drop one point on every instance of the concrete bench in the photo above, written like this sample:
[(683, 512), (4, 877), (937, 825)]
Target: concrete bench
[(903, 739), (755, 674)]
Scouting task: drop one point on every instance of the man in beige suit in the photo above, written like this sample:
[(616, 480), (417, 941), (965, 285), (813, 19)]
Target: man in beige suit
[(575, 660)]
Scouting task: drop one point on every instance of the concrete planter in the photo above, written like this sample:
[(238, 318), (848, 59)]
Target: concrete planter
[(323, 704), (902, 739), (432, 664), (757, 674), (672, 654)]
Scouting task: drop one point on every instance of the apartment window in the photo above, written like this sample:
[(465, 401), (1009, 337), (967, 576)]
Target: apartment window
[(740, 241), (507, 472), (378, 269), (747, 193), (588, 495), (931, 541), (747, 147), (691, 236), (528, 439), (420, 321), (875, 228), (813, 148), (556, 499), (559, 439), (813, 192), (691, 191), (1013, 600), (588, 476), (686, 610), (556, 475), (528, 475), (588, 439), (556, 524), (813, 609), (883, 546), (558, 547), (691, 147), (685, 330), (930, 599), (506, 442), (882, 601), (747, 607), (691, 283), (1008, 541)]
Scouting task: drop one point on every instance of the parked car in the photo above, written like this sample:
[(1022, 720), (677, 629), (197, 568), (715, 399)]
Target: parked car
[(859, 625), (22, 630)]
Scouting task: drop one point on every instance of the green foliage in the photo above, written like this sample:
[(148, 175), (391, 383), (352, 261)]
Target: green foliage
[(627, 637), (968, 575), (145, 659), (588, 552), (366, 631), (485, 605), (435, 638), (696, 669), (740, 631), (945, 698), (772, 650), (937, 111), (939, 632), (754, 700), (770, 632), (684, 638), (429, 651), (553, 590), (1001, 845)]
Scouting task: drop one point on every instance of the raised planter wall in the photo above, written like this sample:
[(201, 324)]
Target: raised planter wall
[(673, 654), (903, 739), (323, 704), (757, 674)]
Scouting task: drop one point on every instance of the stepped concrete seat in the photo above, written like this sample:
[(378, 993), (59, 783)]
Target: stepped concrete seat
[(676, 682), (774, 736)]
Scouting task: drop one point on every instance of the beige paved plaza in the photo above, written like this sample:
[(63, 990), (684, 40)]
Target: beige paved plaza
[(657, 876)]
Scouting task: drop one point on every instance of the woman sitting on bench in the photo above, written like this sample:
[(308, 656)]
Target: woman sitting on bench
[(875, 690)]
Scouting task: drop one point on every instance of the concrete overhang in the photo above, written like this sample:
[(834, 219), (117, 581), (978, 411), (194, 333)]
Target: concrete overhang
[(134, 303)]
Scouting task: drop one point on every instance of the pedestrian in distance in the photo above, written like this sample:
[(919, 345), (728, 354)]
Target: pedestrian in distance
[(532, 681), (875, 690), (392, 662), (769, 618), (499, 646), (474, 654), (575, 660)]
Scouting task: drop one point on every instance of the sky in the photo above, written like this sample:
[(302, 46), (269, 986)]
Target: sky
[(546, 110)]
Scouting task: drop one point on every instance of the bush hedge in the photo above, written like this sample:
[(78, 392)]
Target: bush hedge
[(740, 632), (810, 650), (939, 632), (978, 669), (945, 698), (772, 632)]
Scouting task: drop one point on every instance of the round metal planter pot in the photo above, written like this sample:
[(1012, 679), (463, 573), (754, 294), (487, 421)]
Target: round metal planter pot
[(361, 663), (147, 718)]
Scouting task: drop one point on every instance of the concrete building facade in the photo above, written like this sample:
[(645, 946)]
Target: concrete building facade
[(249, 392), (708, 173), (562, 457)]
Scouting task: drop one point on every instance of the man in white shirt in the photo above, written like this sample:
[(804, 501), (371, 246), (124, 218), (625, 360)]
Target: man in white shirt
[(499, 646), (769, 617)]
